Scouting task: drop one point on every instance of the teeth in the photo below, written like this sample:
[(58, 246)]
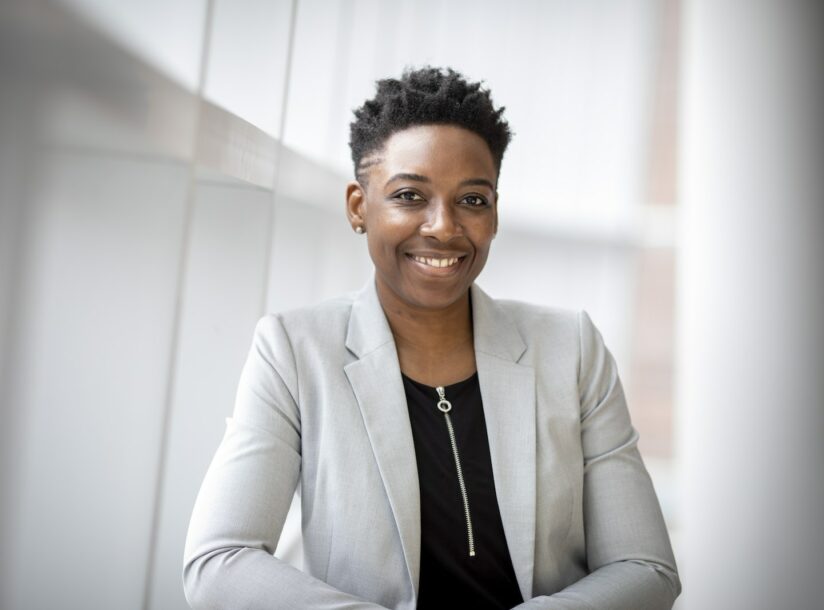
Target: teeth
[(436, 262)]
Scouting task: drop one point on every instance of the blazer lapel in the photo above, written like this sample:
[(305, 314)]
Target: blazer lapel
[(376, 381), (508, 394)]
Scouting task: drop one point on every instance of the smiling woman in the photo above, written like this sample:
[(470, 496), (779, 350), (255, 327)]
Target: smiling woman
[(430, 216), (453, 450)]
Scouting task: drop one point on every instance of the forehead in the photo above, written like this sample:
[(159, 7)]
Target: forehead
[(435, 150)]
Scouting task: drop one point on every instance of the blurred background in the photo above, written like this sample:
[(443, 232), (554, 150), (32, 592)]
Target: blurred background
[(170, 171)]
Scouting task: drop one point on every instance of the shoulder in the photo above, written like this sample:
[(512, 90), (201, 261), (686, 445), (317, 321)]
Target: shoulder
[(328, 312), (538, 320), (552, 331), (324, 321)]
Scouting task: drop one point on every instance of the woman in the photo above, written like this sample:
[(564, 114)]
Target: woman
[(452, 450)]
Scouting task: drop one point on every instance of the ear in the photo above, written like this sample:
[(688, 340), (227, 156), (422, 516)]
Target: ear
[(356, 204)]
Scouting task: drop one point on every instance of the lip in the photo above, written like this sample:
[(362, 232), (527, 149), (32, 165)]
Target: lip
[(437, 271), (437, 253)]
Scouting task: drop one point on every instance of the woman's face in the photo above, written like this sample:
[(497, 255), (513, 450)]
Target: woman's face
[(430, 213)]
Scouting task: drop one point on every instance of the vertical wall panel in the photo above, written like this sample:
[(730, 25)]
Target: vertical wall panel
[(96, 317), (221, 300), (315, 107), (246, 70)]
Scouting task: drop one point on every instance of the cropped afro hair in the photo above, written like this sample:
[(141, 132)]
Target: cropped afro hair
[(421, 97)]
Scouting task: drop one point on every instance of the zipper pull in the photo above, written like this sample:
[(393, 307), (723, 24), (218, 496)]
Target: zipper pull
[(443, 404)]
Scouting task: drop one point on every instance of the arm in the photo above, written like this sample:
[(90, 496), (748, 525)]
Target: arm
[(628, 549), (243, 501)]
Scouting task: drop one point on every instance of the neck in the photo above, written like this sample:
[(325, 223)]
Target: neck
[(439, 331)]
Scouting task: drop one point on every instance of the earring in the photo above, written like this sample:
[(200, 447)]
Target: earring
[(359, 229)]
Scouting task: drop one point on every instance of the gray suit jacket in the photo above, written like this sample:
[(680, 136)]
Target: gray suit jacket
[(321, 403)]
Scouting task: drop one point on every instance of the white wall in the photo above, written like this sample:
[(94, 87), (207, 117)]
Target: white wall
[(89, 375), (221, 296)]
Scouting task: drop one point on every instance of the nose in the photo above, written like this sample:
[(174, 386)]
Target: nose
[(441, 221)]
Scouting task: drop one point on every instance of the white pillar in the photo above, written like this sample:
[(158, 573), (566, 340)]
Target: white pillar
[(750, 390)]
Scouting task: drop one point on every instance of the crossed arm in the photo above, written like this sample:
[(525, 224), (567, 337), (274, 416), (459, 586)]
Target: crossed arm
[(629, 555)]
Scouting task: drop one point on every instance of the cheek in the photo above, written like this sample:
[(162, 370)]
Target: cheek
[(392, 229), (481, 231), (383, 243)]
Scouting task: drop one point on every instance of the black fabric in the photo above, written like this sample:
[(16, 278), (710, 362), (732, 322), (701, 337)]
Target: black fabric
[(449, 577)]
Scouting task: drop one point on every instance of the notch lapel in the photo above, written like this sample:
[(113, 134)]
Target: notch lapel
[(508, 394), (376, 381)]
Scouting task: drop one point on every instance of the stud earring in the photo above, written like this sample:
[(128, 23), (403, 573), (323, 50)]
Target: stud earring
[(359, 229)]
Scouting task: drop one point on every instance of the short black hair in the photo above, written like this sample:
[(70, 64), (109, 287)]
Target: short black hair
[(426, 96)]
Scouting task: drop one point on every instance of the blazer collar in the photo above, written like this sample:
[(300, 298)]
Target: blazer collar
[(508, 395)]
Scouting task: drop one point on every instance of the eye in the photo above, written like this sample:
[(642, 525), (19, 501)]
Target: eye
[(408, 196), (475, 201)]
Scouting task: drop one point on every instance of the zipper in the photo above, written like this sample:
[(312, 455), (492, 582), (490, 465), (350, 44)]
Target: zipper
[(445, 407)]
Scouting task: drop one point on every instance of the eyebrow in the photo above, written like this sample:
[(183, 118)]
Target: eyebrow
[(419, 178)]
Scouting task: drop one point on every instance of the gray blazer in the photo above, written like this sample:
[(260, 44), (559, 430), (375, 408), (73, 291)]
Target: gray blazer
[(321, 402)]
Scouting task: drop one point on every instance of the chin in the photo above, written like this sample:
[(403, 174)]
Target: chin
[(433, 299), (422, 293)]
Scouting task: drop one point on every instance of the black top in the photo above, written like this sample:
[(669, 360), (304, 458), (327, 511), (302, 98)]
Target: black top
[(450, 577)]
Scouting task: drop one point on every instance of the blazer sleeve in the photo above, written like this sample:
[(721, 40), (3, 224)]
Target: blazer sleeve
[(244, 498), (629, 556)]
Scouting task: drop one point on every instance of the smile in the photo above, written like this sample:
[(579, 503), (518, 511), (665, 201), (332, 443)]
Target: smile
[(437, 262)]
